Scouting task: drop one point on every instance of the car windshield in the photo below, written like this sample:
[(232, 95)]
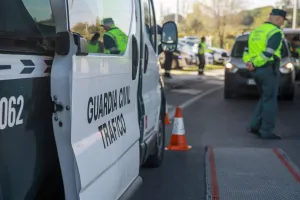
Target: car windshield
[(238, 49), (25, 24), (240, 45)]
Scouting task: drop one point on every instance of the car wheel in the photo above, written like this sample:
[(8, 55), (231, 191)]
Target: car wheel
[(227, 94), (155, 160), (289, 96)]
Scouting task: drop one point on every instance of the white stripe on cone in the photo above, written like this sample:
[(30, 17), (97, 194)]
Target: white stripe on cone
[(178, 127)]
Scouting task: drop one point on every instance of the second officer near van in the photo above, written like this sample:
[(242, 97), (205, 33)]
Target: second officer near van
[(262, 58), (115, 40)]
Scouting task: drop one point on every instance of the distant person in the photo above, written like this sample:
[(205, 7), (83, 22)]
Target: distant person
[(168, 63), (115, 40), (201, 55), (95, 46), (262, 59)]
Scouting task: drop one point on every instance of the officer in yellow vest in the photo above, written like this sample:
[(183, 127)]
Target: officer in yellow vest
[(262, 59), (115, 40), (201, 55), (95, 46)]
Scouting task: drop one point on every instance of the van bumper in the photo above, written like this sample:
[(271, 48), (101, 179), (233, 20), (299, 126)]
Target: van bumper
[(132, 189)]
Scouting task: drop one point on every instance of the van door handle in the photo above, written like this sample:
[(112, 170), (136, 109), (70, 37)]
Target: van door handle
[(146, 58), (135, 57)]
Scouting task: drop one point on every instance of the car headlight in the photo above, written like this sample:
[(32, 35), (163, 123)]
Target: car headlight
[(231, 68), (287, 68)]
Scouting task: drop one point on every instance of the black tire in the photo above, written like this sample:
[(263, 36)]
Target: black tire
[(155, 160), (289, 96), (52, 187), (227, 94)]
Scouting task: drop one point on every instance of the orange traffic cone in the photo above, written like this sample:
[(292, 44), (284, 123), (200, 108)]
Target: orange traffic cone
[(167, 120), (178, 140)]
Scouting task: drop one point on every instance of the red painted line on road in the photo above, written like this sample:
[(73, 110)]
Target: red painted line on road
[(213, 171), (295, 174)]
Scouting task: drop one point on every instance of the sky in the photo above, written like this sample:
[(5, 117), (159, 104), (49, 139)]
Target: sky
[(171, 4)]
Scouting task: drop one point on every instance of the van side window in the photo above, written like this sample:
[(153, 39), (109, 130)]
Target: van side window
[(153, 25), (104, 24), (146, 9), (150, 26)]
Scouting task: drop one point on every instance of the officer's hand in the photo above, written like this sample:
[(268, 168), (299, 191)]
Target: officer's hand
[(250, 66), (113, 49)]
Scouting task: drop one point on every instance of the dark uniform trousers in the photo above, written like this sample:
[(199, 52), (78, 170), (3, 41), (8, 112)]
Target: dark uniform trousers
[(267, 81), (168, 63), (201, 63)]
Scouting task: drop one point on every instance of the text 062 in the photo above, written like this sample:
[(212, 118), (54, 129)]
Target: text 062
[(10, 111)]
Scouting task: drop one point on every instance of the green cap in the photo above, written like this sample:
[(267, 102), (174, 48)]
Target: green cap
[(107, 21), (279, 12)]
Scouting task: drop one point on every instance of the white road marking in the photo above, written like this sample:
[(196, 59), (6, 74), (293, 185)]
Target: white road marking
[(192, 100), (215, 82), (187, 91)]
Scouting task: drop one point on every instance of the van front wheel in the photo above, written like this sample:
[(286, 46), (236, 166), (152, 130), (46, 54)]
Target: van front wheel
[(155, 160)]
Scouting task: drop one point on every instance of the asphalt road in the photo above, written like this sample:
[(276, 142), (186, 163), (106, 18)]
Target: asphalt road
[(211, 120)]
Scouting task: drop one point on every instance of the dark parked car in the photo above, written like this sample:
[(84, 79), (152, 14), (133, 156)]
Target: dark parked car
[(239, 81)]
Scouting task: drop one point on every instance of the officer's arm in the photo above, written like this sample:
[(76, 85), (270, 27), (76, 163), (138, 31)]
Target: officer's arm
[(109, 43), (246, 57), (272, 45)]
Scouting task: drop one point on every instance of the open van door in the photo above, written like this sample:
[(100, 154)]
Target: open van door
[(95, 101)]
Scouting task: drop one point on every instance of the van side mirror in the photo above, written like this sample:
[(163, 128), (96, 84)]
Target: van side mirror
[(82, 45), (62, 43), (169, 38)]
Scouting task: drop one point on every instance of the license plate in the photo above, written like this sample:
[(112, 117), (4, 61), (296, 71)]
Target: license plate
[(251, 82)]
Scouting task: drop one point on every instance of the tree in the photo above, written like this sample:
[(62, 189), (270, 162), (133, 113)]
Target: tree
[(195, 22), (223, 12), (248, 19), (80, 28), (171, 17)]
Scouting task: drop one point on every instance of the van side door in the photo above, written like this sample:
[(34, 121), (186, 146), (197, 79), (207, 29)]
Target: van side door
[(151, 88), (97, 90)]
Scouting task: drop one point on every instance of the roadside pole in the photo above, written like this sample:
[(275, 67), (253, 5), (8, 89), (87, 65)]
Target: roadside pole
[(295, 13)]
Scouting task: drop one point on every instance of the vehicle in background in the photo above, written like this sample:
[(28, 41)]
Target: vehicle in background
[(219, 55), (289, 34), (76, 123), (184, 54), (193, 39), (238, 79)]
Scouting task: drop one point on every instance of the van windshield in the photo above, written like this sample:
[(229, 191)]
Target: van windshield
[(239, 47), (26, 26)]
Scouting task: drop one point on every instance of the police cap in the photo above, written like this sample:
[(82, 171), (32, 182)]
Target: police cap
[(107, 21), (279, 12)]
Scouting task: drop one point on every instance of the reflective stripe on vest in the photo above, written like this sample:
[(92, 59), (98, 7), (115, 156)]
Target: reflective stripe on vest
[(257, 44), (93, 48), (120, 39)]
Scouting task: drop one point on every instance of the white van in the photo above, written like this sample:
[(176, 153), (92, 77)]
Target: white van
[(76, 125)]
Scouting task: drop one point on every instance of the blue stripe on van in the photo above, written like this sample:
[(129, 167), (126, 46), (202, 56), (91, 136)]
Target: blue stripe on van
[(27, 70), (3, 67), (27, 62)]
